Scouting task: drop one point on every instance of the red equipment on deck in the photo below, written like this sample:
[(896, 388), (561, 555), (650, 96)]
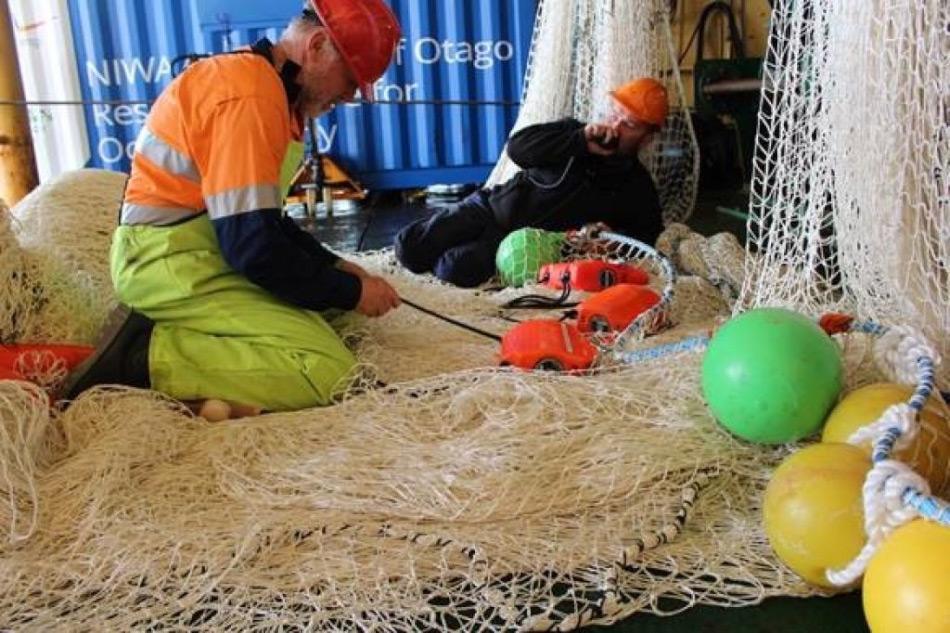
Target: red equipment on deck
[(547, 344), (591, 275), (613, 309), (9, 374), (39, 358), (559, 346)]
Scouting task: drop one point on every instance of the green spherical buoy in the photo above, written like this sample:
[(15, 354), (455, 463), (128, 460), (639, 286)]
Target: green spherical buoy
[(771, 376), (523, 252)]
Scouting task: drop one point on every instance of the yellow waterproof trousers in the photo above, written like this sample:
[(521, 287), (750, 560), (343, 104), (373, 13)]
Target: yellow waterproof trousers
[(218, 335)]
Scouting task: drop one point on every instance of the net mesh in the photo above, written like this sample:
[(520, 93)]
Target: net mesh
[(850, 196), (54, 259), (523, 252), (479, 499), (581, 51), (459, 496)]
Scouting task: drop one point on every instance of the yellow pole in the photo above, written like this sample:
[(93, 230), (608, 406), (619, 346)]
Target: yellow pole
[(18, 175)]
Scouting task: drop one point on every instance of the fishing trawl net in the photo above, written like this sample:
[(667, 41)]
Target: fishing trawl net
[(462, 496), (459, 496)]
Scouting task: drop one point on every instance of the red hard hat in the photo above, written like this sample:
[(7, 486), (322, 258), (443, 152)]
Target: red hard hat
[(365, 32)]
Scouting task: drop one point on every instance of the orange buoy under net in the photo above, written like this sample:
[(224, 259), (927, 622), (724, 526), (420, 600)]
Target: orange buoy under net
[(45, 364)]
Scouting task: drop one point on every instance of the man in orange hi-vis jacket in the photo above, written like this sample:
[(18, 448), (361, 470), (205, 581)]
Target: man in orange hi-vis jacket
[(226, 294)]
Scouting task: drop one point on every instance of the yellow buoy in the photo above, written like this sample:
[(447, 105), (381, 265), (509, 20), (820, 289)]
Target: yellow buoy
[(929, 454), (907, 583), (813, 510)]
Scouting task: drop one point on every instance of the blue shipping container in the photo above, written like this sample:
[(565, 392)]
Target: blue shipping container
[(452, 50)]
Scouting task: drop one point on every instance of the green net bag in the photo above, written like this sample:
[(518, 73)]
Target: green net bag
[(523, 252)]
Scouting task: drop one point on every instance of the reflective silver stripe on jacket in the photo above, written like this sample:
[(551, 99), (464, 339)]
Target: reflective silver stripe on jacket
[(136, 214), (165, 156), (243, 200)]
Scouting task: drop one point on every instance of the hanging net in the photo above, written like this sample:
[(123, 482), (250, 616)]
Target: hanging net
[(851, 197), (583, 49)]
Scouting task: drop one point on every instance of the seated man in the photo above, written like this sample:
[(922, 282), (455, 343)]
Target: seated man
[(227, 293), (572, 175)]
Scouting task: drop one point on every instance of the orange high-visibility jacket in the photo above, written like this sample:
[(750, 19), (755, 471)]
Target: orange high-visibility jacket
[(215, 143)]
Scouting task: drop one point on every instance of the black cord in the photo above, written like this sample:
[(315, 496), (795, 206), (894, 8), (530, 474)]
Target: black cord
[(442, 317), (369, 223), (735, 36), (538, 302), (358, 102), (373, 203), (689, 44), (182, 62), (317, 179)]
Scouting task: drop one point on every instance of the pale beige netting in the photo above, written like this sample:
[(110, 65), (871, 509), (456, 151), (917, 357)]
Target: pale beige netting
[(851, 196), (583, 49), (459, 496), (475, 499), (54, 262)]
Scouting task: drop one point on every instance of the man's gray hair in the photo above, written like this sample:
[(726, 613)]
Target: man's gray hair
[(301, 25)]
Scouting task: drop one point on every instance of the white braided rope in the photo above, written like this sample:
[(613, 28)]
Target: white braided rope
[(900, 416), (884, 512), (656, 316), (897, 351)]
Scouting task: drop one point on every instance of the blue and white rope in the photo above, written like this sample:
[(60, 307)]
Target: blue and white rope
[(927, 506), (693, 343), (647, 322), (893, 493), (868, 327)]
